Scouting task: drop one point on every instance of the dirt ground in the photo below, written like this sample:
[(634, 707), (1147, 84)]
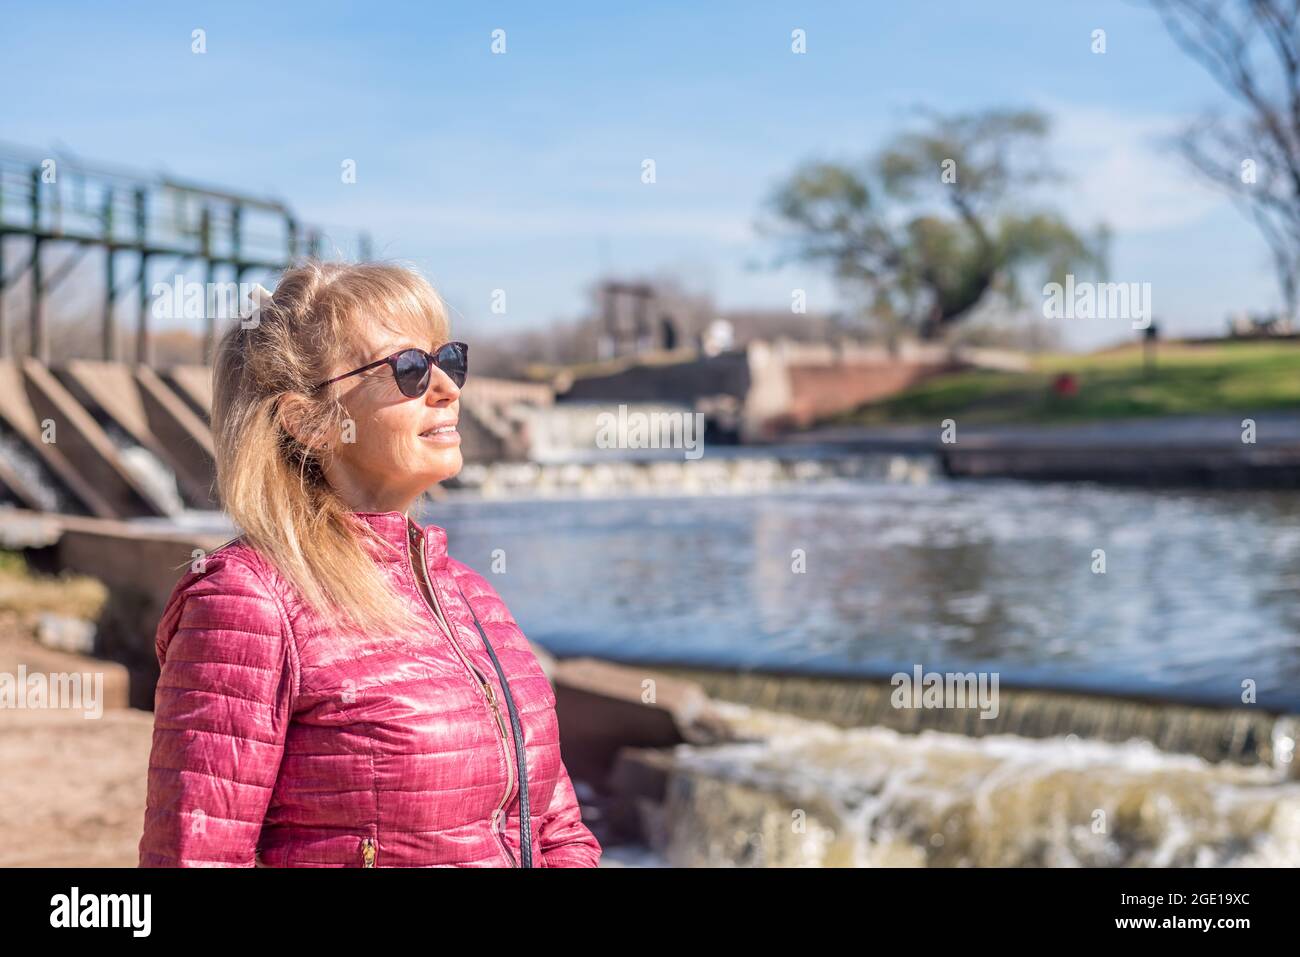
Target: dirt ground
[(72, 789)]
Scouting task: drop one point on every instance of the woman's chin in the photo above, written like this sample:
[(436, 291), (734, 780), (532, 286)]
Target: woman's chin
[(443, 464)]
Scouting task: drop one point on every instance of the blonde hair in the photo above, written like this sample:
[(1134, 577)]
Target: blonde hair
[(270, 479)]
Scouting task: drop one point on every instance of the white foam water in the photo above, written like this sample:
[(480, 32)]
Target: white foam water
[(804, 793)]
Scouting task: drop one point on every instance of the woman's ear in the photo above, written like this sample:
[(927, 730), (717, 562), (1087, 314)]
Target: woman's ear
[(294, 413)]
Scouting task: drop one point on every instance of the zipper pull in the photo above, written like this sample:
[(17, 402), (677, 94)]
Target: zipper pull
[(498, 825), (368, 852), (492, 700)]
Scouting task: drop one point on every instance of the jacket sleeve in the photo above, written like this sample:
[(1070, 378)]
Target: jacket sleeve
[(566, 841), (227, 689)]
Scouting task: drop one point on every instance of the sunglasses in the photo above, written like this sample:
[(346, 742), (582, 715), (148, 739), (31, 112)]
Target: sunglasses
[(413, 368)]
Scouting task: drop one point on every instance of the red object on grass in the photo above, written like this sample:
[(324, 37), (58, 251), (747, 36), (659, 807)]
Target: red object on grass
[(1067, 383)]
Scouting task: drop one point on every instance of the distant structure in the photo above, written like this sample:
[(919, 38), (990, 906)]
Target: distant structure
[(639, 318), (634, 320), (50, 203), (763, 389), (1243, 325), (718, 337)]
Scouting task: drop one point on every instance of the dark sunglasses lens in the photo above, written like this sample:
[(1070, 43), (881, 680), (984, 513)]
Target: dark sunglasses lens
[(411, 370), (453, 359)]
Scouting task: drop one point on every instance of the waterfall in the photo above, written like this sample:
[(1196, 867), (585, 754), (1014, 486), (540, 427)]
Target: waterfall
[(732, 471), (812, 794), (148, 470), (1240, 735), (49, 494)]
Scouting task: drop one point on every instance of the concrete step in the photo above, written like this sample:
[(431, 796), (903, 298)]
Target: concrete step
[(36, 678)]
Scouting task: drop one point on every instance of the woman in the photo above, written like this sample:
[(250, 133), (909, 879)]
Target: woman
[(330, 693)]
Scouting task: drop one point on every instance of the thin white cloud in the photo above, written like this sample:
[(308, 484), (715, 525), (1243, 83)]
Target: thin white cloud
[(1121, 173)]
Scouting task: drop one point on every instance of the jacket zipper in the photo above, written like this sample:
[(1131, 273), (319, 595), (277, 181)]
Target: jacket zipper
[(498, 817), (497, 814), (368, 852)]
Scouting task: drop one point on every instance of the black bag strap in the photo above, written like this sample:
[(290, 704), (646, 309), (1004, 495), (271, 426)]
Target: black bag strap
[(521, 761)]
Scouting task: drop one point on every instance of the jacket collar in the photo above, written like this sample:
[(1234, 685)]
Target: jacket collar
[(389, 532)]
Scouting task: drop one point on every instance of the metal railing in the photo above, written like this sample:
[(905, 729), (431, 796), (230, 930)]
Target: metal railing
[(56, 200)]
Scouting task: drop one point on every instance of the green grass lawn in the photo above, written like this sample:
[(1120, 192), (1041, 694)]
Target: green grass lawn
[(1188, 379)]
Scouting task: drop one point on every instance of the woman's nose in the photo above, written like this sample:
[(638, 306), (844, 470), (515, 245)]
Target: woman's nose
[(441, 389)]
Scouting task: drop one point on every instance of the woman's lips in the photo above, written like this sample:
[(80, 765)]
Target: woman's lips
[(442, 435)]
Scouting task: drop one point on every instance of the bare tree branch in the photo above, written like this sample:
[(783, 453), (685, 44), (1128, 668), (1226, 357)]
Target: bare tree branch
[(1225, 36)]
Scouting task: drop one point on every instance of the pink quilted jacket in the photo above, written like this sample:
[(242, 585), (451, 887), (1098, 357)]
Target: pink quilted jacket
[(280, 741)]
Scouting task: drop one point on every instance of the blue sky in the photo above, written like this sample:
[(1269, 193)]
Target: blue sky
[(522, 171)]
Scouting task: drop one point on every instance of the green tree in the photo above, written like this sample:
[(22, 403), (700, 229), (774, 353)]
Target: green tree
[(928, 226)]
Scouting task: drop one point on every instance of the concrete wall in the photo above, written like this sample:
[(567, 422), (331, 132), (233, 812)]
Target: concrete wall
[(821, 391), (786, 385), (140, 567), (675, 383)]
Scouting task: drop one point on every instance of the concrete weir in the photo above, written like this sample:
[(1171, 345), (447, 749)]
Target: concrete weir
[(67, 446), (1217, 734), (26, 419), (141, 405), (193, 384)]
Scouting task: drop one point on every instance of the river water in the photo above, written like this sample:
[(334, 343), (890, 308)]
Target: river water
[(1184, 595)]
